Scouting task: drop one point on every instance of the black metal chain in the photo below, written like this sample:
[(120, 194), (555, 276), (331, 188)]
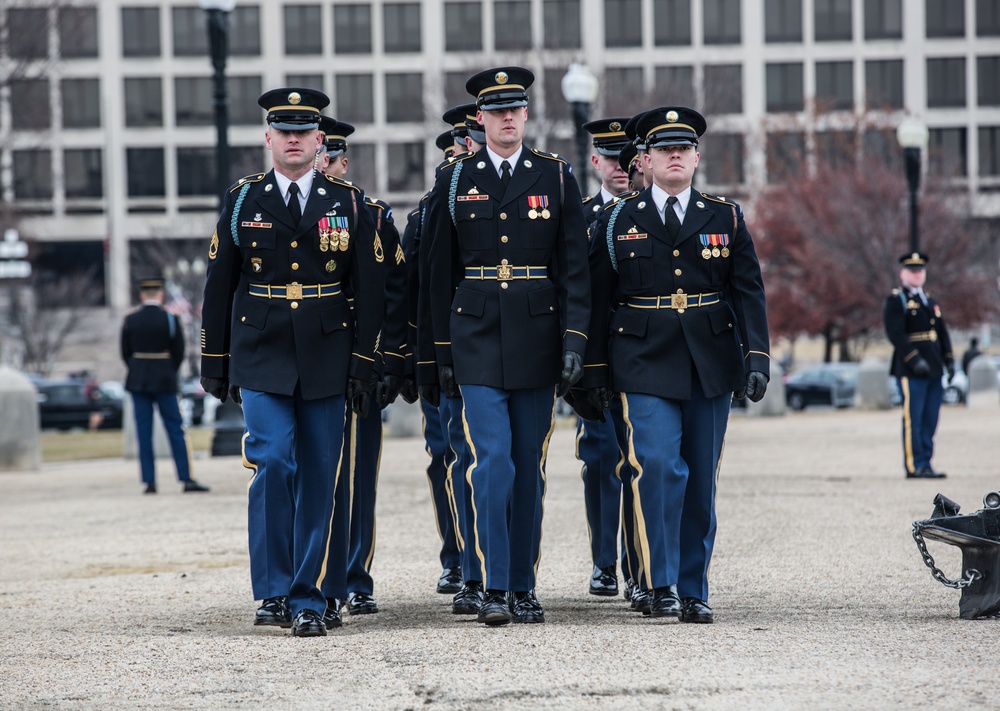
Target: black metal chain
[(971, 575)]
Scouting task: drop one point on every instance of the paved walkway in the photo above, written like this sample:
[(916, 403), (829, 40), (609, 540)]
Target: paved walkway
[(112, 599)]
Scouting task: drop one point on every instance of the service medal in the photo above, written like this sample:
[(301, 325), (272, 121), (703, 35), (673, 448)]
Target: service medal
[(725, 251), (546, 214), (532, 214), (716, 252), (324, 241), (331, 265), (345, 239), (706, 253)]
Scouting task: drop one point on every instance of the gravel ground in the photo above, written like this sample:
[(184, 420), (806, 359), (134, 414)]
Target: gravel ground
[(118, 600)]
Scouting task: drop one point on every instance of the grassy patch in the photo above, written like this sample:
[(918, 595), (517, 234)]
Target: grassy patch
[(103, 444)]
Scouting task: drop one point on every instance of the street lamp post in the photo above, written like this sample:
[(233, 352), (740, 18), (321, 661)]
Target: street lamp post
[(912, 135), (579, 87), (218, 39)]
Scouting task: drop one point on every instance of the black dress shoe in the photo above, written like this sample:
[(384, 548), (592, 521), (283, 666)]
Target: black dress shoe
[(604, 582), (630, 588), (469, 599), (308, 623), (332, 618), (495, 609), (926, 473), (641, 599), (359, 603), (695, 610), (527, 609), (450, 581), (193, 486), (665, 603), (150, 489), (273, 612)]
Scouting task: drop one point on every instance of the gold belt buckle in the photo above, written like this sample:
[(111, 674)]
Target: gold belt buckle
[(678, 301), (932, 335), (293, 291), (505, 272)]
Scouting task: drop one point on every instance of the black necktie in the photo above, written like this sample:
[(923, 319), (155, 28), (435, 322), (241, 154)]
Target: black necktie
[(505, 173), (294, 208), (670, 218)]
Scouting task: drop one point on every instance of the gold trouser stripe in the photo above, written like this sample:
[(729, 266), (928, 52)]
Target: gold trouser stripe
[(642, 541), (378, 468), (580, 434), (246, 462), (333, 513), (472, 493), (632, 565), (907, 426), (541, 470), (449, 487)]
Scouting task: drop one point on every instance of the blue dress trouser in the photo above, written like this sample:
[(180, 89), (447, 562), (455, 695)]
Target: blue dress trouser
[(922, 399), (170, 412), (597, 448), (439, 479), (293, 446), (460, 494), (508, 436), (360, 465), (631, 560), (675, 447)]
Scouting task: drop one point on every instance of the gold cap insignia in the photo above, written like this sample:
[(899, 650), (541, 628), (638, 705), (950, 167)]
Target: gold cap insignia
[(672, 116), (615, 126), (501, 77), (294, 98)]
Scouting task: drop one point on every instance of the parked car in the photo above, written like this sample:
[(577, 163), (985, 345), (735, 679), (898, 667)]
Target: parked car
[(955, 393), (825, 384), (68, 402)]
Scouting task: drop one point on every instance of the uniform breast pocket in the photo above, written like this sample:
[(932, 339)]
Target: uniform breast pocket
[(474, 221), (629, 322), (254, 313), (635, 263), (543, 302), (468, 303), (537, 220), (258, 237), (335, 318)]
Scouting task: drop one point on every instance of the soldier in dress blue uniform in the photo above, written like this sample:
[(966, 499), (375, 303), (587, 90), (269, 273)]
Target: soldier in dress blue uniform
[(278, 335), (916, 328), (640, 146), (679, 301), (508, 288), (152, 346)]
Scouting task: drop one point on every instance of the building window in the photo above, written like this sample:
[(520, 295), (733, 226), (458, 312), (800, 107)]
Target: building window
[(987, 18), (303, 29), (784, 86), (193, 101), (884, 83), (832, 20), (722, 159), (244, 31), (245, 160), (402, 27), (143, 101), (454, 89), (77, 32), (561, 19), (404, 94), (311, 81), (836, 149), (946, 153), (362, 165), (722, 21), (676, 82), (723, 88), (355, 98), (880, 146), (987, 71), (196, 171), (623, 89), (243, 107), (352, 29), (556, 106), (81, 103), (140, 32), (945, 18), (84, 178), (190, 31), (33, 174), (512, 25), (783, 21), (946, 82), (785, 154), (672, 23), (146, 176), (30, 107), (989, 151), (622, 27), (463, 27), (883, 19), (27, 33), (408, 167), (834, 85)]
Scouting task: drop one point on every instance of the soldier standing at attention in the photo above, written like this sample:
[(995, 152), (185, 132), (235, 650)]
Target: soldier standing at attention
[(152, 346), (916, 328), (688, 329), (279, 336), (509, 305)]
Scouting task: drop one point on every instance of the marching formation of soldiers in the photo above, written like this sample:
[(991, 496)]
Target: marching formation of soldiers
[(641, 305)]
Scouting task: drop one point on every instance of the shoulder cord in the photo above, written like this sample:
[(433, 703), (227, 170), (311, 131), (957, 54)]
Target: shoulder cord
[(453, 191), (236, 213), (610, 238)]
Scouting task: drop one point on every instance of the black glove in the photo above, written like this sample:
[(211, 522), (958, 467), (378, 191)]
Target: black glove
[(216, 387), (446, 376), (921, 368), (599, 398), (391, 385), (577, 399), (358, 396), (572, 371), (235, 394), (756, 385), (950, 367), (431, 393), (408, 389)]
